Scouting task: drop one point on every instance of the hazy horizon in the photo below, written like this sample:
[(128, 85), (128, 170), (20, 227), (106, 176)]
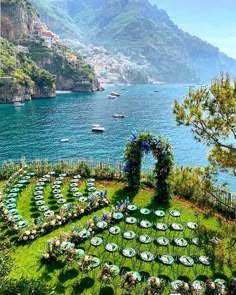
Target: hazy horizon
[(212, 21)]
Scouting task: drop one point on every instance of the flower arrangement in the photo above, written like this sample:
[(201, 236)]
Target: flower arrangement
[(162, 152), (156, 286), (129, 281)]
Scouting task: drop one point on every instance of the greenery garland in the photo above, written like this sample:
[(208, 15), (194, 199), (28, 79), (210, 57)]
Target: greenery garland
[(161, 149)]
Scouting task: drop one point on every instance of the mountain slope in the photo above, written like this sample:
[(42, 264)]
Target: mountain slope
[(144, 33)]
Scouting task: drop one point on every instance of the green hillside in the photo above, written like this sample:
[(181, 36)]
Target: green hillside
[(17, 65), (141, 31)]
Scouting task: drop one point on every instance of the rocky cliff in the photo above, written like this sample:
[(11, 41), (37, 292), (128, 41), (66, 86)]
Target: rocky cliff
[(21, 79), (17, 19), (18, 23)]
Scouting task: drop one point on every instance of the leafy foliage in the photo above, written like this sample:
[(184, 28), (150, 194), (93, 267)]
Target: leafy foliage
[(16, 64), (161, 150), (211, 113)]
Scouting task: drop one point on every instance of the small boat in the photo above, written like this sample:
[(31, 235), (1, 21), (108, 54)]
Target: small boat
[(115, 93), (111, 96), (18, 104), (156, 90), (64, 140), (98, 128), (118, 116)]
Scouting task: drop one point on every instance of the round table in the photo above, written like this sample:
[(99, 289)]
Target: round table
[(90, 184), (26, 177), (145, 239), (160, 213), (61, 201), (37, 193), (204, 260), (39, 203), (77, 176), (177, 226), (145, 211), (195, 241), (129, 252), (66, 245), (91, 180), (78, 194), (13, 211), (137, 274), (62, 175), (181, 242), (186, 260), (114, 230), (73, 184), (38, 197), (43, 208), (129, 235), (22, 224), (174, 213), (115, 270), (96, 241), (84, 234), (83, 199), (132, 207), (23, 181), (57, 182), (199, 285), (60, 178), (17, 218), (41, 183), (31, 174), (56, 186), (117, 215), (95, 262), (10, 200), (58, 196), (162, 226), (39, 188), (14, 190), (131, 220), (56, 191), (91, 189), (43, 179), (74, 181), (167, 259), (147, 256), (102, 224), (19, 185), (163, 241), (10, 206), (111, 247), (192, 225), (145, 224), (79, 252), (12, 195)]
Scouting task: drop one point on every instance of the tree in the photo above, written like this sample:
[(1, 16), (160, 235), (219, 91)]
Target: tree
[(211, 113)]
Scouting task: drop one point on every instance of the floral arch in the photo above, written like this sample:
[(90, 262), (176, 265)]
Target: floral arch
[(161, 149)]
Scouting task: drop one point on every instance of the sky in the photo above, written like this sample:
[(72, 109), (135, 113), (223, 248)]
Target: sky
[(212, 20)]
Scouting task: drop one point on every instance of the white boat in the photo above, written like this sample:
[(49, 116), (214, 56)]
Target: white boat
[(115, 93), (98, 128), (64, 140), (118, 116), (111, 96), (18, 104)]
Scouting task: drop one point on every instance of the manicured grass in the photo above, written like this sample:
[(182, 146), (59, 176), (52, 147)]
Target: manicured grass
[(69, 280)]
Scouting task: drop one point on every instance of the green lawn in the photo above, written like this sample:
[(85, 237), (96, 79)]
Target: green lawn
[(27, 258)]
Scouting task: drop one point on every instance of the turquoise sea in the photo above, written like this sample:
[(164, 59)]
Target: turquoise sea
[(35, 130)]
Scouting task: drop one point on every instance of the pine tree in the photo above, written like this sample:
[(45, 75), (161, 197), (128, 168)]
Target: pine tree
[(211, 113)]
